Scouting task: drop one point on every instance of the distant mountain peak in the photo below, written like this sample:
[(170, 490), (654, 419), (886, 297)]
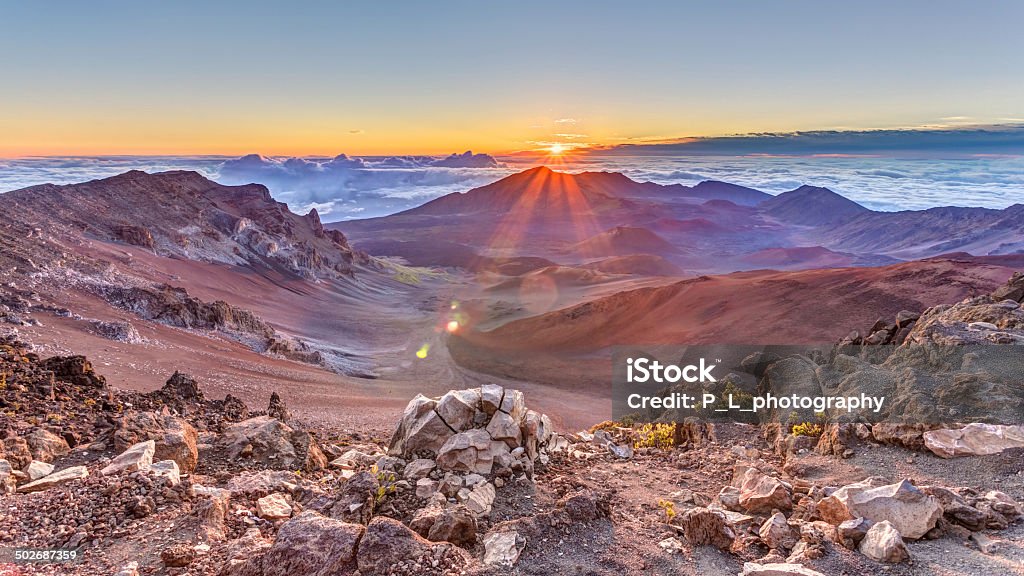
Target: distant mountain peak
[(812, 206)]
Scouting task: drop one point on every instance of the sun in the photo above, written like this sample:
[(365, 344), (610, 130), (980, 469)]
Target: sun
[(556, 149)]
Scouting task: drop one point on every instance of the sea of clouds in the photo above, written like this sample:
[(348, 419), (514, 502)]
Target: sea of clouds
[(345, 187)]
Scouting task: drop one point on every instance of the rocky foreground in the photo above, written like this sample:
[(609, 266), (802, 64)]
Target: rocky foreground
[(474, 482)]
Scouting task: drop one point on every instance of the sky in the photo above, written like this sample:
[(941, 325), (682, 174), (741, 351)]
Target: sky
[(381, 78)]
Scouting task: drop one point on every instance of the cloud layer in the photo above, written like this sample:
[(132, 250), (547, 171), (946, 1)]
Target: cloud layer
[(347, 187), (909, 143)]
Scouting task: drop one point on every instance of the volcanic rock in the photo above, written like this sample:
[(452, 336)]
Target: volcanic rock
[(456, 524), (55, 479), (884, 544), (909, 510), (45, 445), (974, 440), (503, 548), (777, 533), (307, 544), (273, 507), (272, 443), (703, 526), (777, 569), (36, 470), (760, 493), (136, 458)]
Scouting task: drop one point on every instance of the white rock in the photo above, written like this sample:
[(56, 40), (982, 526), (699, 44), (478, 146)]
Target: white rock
[(490, 397), (503, 427), (884, 544), (910, 511), (36, 470), (479, 499), (974, 440), (167, 469), (55, 479), (418, 468), (458, 408), (137, 457), (425, 487), (780, 569), (503, 548), (273, 507)]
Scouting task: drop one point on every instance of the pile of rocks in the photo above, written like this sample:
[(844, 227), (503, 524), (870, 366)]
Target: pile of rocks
[(997, 318), (480, 430), (872, 517)]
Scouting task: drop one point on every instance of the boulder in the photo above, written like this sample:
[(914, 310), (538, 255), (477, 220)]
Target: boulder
[(503, 427), (703, 526), (912, 512), (777, 569), (761, 494), (211, 509), (356, 499), (478, 499), (776, 533), (272, 443), (730, 498), (974, 440), (277, 408), (513, 403), (307, 544), (36, 470), (175, 438), (273, 507), (421, 429), (16, 451), (458, 408), (502, 548), (167, 469), (418, 469), (425, 487), (388, 543), (45, 445), (56, 479), (178, 555), (850, 532), (136, 458), (1012, 290), (8, 484), (467, 451), (423, 520), (884, 544), (456, 524), (490, 398)]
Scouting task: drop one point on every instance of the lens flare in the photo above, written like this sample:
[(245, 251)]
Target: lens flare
[(422, 352), (453, 326)]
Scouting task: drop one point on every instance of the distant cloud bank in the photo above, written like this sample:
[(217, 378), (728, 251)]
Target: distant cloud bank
[(339, 188), (884, 170), (926, 142)]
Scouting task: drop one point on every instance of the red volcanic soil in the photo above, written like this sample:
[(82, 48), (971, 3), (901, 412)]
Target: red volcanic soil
[(623, 241), (691, 226), (763, 307), (806, 256), (638, 264)]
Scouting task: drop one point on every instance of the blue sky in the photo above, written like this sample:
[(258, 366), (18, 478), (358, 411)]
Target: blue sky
[(416, 77)]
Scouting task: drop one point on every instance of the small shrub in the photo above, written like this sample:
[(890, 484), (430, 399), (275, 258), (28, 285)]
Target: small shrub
[(669, 507)]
